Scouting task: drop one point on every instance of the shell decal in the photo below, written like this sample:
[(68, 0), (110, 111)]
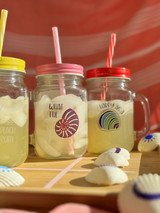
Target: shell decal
[(68, 125), (109, 120)]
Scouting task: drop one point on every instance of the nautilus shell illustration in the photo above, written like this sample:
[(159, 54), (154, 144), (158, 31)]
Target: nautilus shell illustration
[(68, 125)]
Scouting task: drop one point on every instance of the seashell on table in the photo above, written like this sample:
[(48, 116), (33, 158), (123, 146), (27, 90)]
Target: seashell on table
[(141, 195), (111, 158), (149, 142), (121, 151), (106, 175), (8, 177)]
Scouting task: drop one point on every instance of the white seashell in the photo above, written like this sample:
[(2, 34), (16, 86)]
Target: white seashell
[(141, 195), (121, 151), (8, 177), (111, 158), (106, 175), (149, 142)]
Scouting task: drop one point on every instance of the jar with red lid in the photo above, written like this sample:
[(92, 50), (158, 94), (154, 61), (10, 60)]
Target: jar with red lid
[(111, 110), (60, 103)]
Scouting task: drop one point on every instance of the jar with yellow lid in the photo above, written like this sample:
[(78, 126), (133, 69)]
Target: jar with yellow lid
[(13, 112)]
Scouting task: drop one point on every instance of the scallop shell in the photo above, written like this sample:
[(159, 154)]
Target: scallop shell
[(8, 177), (111, 158), (149, 142), (106, 175), (121, 151), (141, 195)]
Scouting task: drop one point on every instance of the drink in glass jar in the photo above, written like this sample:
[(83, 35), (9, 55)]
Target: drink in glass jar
[(61, 126), (110, 120), (13, 130), (61, 121), (111, 110)]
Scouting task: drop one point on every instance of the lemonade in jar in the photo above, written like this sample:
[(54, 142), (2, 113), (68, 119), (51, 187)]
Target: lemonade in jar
[(61, 120), (111, 110), (13, 112)]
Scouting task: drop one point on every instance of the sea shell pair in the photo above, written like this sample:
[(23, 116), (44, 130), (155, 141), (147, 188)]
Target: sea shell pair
[(107, 172), (141, 195)]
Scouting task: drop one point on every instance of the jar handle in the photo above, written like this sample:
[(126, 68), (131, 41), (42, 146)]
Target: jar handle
[(146, 108)]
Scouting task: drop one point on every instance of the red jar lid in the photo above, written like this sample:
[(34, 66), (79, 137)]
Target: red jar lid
[(63, 68), (117, 72)]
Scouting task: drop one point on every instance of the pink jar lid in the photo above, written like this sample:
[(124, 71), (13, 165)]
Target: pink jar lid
[(63, 68), (117, 72)]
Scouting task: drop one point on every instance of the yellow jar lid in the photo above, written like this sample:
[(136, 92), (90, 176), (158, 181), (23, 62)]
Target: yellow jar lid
[(13, 64)]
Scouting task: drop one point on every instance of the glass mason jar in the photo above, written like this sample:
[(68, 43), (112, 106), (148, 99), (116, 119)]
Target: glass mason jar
[(13, 112), (111, 110), (60, 104)]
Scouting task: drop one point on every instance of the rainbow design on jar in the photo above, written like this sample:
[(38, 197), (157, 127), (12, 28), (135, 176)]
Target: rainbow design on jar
[(68, 125), (109, 120)]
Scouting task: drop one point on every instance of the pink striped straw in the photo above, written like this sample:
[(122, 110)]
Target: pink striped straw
[(58, 58), (111, 49), (109, 61)]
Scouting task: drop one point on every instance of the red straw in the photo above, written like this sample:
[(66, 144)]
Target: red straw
[(111, 49), (58, 58), (109, 60)]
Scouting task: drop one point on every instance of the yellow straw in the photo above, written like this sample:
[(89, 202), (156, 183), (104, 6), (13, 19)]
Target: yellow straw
[(3, 20)]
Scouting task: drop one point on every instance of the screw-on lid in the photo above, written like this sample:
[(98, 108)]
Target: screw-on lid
[(63, 68), (12, 64), (117, 72)]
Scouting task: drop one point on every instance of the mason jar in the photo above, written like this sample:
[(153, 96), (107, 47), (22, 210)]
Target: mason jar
[(13, 112), (60, 105), (111, 110)]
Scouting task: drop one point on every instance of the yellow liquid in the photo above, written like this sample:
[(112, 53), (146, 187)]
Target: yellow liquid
[(13, 144), (13, 130), (48, 144), (100, 138)]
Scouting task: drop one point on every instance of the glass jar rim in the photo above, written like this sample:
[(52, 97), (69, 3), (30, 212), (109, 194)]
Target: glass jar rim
[(116, 72), (63, 68), (12, 64)]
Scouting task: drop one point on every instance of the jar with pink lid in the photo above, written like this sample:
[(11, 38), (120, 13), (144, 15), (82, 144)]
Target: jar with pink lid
[(60, 103)]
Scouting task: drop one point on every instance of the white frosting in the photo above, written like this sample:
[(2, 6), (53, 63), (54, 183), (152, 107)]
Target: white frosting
[(129, 201), (112, 158), (8, 177), (106, 175)]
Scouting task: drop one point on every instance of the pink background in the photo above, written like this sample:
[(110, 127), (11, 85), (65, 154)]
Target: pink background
[(84, 28)]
